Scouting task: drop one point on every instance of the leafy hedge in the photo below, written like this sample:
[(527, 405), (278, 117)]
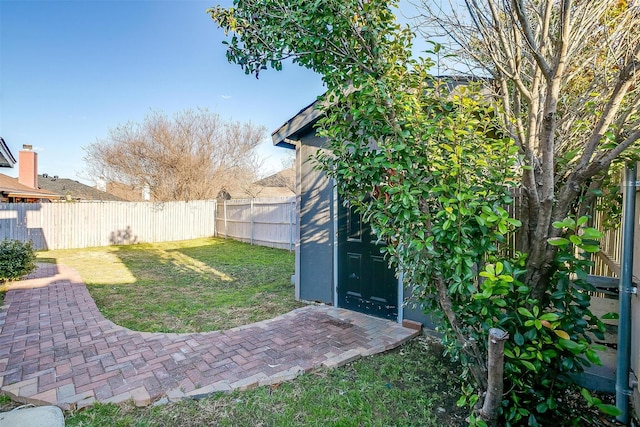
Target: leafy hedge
[(16, 259)]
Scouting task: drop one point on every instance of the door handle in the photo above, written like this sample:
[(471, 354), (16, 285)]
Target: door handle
[(354, 276)]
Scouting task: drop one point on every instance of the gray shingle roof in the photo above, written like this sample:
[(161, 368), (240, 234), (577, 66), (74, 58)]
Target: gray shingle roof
[(74, 189)]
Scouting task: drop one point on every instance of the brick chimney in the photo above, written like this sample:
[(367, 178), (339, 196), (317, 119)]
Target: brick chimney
[(28, 167)]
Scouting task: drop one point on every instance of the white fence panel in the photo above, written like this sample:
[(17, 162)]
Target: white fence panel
[(86, 224), (263, 221)]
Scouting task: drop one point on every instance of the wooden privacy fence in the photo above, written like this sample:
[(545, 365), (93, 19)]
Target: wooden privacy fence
[(86, 224), (265, 221), (607, 261)]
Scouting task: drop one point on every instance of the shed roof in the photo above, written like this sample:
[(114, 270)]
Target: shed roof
[(287, 134), (6, 158)]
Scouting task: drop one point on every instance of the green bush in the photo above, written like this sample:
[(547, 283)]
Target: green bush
[(550, 340), (16, 259)]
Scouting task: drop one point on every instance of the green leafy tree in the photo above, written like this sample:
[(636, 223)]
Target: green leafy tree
[(431, 167)]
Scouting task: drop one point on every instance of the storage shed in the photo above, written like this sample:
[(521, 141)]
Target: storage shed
[(338, 260)]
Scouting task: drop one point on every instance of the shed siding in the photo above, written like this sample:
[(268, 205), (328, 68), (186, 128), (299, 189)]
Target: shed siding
[(316, 227), (635, 299), (412, 311)]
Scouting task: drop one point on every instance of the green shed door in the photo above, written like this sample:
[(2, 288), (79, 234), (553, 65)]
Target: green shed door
[(365, 282)]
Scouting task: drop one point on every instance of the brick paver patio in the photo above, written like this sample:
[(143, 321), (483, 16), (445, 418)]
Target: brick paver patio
[(56, 348)]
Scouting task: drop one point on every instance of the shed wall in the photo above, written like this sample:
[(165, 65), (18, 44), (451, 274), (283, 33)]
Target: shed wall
[(315, 254), (315, 241), (412, 311), (635, 306)]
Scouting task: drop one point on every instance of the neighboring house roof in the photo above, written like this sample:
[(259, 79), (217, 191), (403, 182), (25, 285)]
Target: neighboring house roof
[(279, 184), (284, 178), (6, 158), (128, 192), (74, 189), (10, 187)]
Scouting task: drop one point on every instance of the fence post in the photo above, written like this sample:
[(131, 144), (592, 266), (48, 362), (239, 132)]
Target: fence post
[(627, 289), (495, 380), (291, 209), (225, 218), (251, 223), (215, 218)]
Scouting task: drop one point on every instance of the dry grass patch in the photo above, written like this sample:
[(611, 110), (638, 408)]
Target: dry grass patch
[(189, 286)]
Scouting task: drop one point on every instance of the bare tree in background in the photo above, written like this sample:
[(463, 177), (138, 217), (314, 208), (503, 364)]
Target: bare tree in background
[(246, 183), (192, 156), (287, 176)]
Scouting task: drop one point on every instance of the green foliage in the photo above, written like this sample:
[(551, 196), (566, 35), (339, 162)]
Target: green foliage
[(603, 407), (330, 37), (609, 201), (549, 339), (16, 259)]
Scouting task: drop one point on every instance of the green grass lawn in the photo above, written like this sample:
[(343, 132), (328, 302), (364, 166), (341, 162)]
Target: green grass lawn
[(187, 286)]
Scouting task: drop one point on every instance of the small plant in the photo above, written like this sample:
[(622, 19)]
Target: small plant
[(16, 259), (594, 401)]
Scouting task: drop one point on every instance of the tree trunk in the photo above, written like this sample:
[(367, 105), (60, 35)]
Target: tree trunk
[(495, 364), (469, 346), (534, 244)]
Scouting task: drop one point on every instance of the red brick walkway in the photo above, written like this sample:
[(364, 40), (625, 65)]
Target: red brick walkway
[(56, 348)]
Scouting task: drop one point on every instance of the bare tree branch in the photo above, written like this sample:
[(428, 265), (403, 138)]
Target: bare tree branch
[(190, 157)]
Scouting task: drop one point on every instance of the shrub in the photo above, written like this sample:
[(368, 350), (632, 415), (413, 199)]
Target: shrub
[(551, 339), (16, 259)]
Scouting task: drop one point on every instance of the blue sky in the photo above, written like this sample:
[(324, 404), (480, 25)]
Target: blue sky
[(72, 69)]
